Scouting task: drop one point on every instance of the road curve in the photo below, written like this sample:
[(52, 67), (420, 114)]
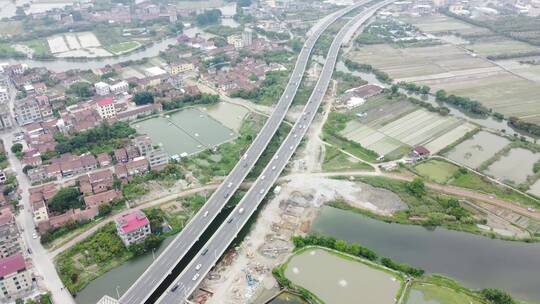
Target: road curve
[(154, 275), (203, 262)]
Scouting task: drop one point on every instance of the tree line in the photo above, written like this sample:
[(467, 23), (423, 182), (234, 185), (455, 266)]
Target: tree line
[(355, 250)]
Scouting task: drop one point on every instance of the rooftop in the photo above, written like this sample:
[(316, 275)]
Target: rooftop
[(105, 102), (11, 264), (131, 221)]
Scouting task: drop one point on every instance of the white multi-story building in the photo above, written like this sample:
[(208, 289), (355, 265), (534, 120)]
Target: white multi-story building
[(133, 227), (27, 111), (4, 95), (236, 40), (119, 88), (102, 88), (105, 108), (15, 278)]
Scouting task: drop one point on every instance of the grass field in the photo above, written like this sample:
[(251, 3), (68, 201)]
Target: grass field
[(39, 46), (436, 170), (123, 47), (335, 160)]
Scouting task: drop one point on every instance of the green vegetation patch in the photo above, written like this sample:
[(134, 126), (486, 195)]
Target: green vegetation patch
[(123, 47), (335, 160), (87, 260), (437, 170), (426, 207)]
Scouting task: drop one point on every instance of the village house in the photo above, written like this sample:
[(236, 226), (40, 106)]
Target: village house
[(119, 88), (104, 159), (102, 89), (133, 227), (105, 108), (96, 200)]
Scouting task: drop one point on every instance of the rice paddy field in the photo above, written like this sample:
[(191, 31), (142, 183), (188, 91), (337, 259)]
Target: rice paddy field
[(515, 166), (499, 46), (456, 71), (425, 293), (478, 149), (524, 70), (440, 23), (396, 131)]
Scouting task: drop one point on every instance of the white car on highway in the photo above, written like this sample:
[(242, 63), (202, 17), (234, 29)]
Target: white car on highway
[(198, 266), (195, 277)]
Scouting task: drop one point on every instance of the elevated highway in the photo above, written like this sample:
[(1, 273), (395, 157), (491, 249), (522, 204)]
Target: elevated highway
[(158, 271), (203, 262)]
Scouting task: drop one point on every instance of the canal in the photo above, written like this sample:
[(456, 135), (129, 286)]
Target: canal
[(476, 261)]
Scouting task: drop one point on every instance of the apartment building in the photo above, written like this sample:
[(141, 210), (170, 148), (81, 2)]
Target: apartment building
[(15, 277), (27, 111), (106, 109), (10, 241)]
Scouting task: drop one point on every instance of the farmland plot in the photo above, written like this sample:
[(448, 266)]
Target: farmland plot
[(72, 42), (515, 166), (416, 128), (441, 23), (57, 44), (88, 39), (478, 149)]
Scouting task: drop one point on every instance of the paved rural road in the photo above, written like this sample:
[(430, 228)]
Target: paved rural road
[(154, 275), (201, 264)]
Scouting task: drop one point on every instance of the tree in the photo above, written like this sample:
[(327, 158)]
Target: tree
[(496, 296), (143, 98), (16, 148), (341, 245), (416, 187), (208, 17), (394, 89), (64, 199), (104, 209), (81, 89)]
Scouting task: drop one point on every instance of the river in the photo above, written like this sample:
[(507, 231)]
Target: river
[(118, 279), (475, 261)]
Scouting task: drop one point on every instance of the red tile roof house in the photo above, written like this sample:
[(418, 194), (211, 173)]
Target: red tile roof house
[(101, 198), (104, 159), (101, 181), (72, 215), (133, 227), (420, 152), (121, 155), (137, 166)]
